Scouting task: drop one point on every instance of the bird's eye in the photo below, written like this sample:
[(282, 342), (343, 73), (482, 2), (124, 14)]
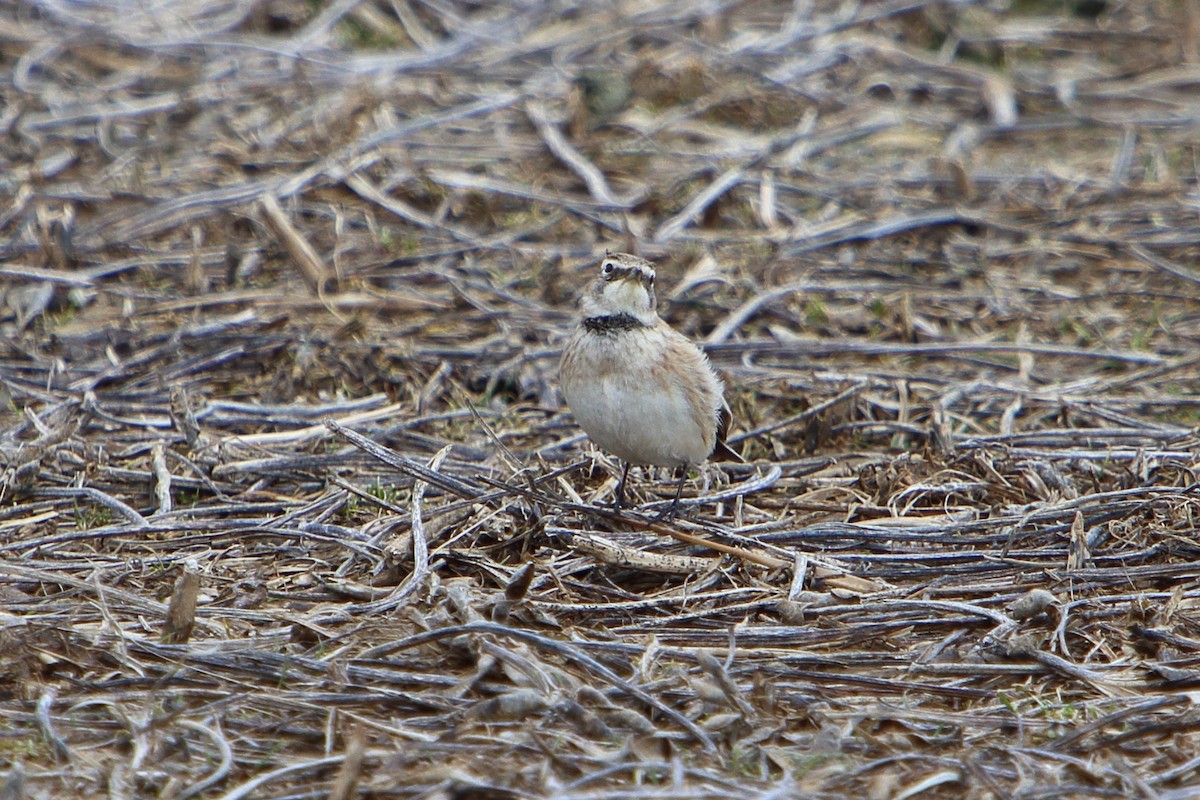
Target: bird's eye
[(608, 268)]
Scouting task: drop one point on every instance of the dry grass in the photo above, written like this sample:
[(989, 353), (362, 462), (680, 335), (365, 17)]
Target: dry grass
[(290, 506)]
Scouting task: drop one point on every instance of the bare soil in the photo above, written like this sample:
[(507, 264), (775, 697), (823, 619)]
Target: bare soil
[(290, 506)]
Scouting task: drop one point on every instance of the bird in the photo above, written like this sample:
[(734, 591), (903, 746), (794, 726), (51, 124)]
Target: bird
[(640, 389)]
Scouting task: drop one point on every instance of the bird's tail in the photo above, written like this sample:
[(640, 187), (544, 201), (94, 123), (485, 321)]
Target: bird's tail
[(725, 452)]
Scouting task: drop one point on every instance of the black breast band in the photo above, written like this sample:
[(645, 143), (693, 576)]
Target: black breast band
[(611, 323)]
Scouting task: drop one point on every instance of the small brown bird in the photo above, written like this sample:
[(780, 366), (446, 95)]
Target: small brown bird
[(639, 388)]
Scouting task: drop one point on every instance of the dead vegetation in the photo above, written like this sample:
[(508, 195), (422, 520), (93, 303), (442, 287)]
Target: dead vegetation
[(290, 507)]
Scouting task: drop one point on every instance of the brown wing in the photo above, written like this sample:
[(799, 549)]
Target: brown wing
[(723, 451)]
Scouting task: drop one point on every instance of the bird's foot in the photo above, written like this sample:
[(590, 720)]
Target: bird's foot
[(668, 514)]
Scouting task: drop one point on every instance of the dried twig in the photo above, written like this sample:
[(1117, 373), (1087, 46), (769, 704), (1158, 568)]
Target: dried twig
[(957, 314)]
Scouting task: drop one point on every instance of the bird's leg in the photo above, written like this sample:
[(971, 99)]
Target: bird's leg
[(668, 513), (620, 499)]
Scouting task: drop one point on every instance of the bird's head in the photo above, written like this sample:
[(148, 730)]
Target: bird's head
[(625, 285)]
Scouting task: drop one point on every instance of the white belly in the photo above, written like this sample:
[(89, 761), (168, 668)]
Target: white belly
[(632, 412)]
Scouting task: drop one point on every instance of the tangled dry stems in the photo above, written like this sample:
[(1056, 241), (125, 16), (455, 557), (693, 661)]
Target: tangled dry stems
[(290, 507)]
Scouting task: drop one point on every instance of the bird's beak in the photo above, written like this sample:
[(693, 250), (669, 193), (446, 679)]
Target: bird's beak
[(637, 279)]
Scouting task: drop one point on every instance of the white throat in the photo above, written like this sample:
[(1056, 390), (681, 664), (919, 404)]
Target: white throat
[(621, 297)]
